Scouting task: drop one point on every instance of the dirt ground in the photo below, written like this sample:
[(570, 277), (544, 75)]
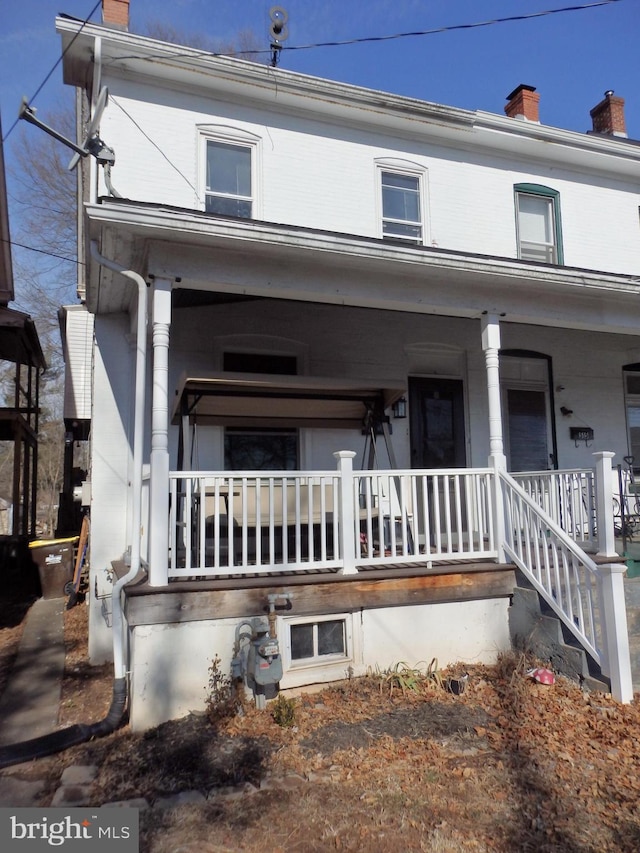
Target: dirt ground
[(508, 766)]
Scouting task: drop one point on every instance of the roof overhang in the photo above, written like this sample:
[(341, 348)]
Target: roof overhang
[(267, 400), (199, 251), (19, 342)]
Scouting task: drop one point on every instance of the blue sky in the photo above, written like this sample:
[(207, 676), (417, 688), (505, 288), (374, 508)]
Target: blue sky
[(571, 57)]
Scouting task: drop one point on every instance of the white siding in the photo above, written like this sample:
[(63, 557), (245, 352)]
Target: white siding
[(111, 459), (77, 346), (320, 175)]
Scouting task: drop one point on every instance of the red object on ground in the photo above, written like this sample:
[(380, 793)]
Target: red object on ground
[(542, 675)]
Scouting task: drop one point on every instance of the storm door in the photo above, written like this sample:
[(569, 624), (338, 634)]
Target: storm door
[(526, 402)]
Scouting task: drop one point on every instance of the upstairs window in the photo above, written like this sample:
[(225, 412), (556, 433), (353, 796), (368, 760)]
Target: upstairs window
[(401, 206), (228, 187), (538, 224)]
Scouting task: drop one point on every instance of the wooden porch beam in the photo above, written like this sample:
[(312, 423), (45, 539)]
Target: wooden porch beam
[(310, 595)]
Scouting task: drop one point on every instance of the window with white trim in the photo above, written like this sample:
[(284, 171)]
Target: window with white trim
[(538, 229), (314, 640), (229, 168), (401, 205)]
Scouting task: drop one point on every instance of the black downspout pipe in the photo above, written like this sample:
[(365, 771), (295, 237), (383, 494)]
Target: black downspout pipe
[(49, 744)]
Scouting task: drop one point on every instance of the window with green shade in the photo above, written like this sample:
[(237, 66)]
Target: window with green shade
[(538, 228)]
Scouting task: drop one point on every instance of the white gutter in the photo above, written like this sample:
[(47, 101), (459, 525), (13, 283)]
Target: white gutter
[(119, 656)]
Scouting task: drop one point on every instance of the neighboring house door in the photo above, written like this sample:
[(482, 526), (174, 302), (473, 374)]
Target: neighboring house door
[(527, 436), (436, 411), (632, 406), (528, 427)]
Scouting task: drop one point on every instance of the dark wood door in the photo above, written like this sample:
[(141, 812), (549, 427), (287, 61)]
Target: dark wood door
[(436, 423)]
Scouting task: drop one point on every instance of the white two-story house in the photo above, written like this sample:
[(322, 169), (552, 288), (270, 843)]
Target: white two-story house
[(334, 327)]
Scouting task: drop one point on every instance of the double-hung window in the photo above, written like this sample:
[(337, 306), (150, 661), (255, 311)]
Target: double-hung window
[(229, 178), (402, 206), (538, 228)]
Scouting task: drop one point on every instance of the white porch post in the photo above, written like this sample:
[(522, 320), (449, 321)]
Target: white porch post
[(615, 632), (604, 504), (347, 520), (490, 325), (159, 479)]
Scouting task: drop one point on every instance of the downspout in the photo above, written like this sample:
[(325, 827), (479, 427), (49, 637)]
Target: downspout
[(65, 738), (119, 655)]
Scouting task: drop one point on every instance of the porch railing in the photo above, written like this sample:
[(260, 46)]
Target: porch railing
[(246, 523), (415, 515), (564, 575), (568, 497), (259, 522)]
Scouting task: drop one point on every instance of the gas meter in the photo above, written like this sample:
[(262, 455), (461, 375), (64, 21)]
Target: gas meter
[(264, 664)]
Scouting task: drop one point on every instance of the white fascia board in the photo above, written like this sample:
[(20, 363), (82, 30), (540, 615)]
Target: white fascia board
[(126, 55), (595, 152), (189, 228)]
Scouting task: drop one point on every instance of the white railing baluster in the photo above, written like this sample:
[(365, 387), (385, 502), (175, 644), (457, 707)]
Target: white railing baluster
[(256, 522), (591, 607)]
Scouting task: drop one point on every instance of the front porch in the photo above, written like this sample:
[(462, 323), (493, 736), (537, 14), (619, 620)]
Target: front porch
[(412, 564)]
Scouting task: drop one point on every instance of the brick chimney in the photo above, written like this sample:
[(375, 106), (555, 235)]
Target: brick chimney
[(523, 103), (115, 13), (608, 116)]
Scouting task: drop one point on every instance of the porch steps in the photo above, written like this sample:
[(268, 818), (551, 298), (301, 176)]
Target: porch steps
[(534, 628)]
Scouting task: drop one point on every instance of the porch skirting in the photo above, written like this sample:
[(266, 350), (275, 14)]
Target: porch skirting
[(411, 614)]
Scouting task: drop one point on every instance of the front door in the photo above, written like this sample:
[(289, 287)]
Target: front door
[(436, 410)]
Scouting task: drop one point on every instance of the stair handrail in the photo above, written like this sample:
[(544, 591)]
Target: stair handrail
[(551, 572)]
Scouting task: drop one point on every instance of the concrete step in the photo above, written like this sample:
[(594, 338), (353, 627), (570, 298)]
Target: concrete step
[(543, 635)]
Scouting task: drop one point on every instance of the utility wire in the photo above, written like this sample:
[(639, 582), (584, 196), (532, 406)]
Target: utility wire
[(155, 144), (369, 39), (450, 28), (55, 65), (42, 252)]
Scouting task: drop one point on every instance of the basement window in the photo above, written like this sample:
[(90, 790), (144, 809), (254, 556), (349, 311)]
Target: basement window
[(318, 640)]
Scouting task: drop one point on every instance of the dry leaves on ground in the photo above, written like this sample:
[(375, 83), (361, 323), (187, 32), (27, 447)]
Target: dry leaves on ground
[(509, 765)]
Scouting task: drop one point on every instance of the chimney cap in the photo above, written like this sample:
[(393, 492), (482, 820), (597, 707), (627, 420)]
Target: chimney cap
[(522, 87), (608, 93)]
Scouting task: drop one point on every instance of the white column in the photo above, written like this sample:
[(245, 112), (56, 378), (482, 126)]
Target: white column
[(490, 325), (491, 348), (159, 480), (604, 504), (347, 519), (615, 632)]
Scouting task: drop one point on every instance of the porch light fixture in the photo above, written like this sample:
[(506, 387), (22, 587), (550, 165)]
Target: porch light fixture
[(399, 408)]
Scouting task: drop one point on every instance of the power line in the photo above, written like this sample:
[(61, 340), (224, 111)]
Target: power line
[(155, 144), (370, 39), (55, 65), (43, 252), (450, 28)]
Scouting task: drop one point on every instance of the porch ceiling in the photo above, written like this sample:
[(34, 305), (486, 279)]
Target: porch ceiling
[(232, 399), (198, 251)]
